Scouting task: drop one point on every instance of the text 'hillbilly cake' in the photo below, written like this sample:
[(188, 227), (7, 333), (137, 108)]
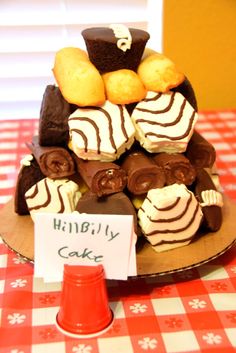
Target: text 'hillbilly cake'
[(117, 135)]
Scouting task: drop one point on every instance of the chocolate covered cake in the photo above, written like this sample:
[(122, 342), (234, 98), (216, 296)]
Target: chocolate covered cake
[(117, 135)]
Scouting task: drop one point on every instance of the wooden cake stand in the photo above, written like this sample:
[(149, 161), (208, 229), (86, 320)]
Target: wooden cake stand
[(18, 233)]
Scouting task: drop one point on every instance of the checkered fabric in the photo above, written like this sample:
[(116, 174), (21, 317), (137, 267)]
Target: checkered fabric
[(189, 311)]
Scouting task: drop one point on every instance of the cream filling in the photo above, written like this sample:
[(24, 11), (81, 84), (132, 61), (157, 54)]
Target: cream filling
[(123, 35), (26, 160), (211, 198)]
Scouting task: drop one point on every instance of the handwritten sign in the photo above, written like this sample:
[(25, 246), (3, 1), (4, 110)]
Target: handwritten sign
[(84, 239)]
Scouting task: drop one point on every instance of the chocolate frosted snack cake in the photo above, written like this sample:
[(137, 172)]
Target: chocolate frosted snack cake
[(53, 121), (117, 135)]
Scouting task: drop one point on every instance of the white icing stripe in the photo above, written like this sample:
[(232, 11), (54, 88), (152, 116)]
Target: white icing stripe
[(211, 198), (123, 35)]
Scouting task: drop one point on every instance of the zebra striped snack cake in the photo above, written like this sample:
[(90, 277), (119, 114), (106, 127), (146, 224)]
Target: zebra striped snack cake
[(170, 217), (164, 122), (52, 196), (101, 133)]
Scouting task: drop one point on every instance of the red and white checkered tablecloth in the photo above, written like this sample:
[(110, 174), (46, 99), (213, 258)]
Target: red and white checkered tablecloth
[(190, 311)]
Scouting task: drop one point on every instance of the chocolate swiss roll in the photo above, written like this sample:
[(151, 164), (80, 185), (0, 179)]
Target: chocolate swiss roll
[(213, 213), (53, 122), (111, 49), (102, 178), (54, 162), (142, 172), (177, 168), (28, 175), (200, 152)]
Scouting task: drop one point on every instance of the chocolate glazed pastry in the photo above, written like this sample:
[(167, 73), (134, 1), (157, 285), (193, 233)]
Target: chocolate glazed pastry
[(212, 214), (53, 122), (117, 203), (54, 162), (102, 178), (177, 168), (143, 174), (27, 177), (200, 152), (186, 89)]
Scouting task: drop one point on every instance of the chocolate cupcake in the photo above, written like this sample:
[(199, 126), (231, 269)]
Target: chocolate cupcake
[(109, 51)]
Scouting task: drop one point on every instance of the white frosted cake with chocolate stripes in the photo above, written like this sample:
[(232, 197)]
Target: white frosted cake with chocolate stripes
[(101, 133), (170, 216), (164, 122), (117, 134)]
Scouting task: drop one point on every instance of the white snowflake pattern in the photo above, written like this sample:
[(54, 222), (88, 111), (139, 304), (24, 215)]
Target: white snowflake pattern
[(82, 348), (211, 338), (197, 304), (138, 308), (19, 260), (16, 318), (148, 343), (19, 283)]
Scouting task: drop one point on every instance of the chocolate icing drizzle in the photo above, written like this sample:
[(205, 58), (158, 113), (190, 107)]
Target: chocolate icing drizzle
[(92, 122), (178, 112), (159, 111), (174, 138), (178, 230), (48, 198), (96, 128), (172, 123), (169, 207), (173, 219), (84, 137)]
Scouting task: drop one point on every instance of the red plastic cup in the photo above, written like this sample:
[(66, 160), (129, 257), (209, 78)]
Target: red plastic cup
[(84, 308)]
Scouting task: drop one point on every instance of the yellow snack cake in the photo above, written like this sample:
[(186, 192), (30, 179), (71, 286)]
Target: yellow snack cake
[(123, 87), (78, 79), (159, 74)]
